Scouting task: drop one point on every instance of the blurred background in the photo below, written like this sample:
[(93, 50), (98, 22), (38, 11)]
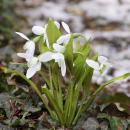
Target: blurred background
[(106, 22)]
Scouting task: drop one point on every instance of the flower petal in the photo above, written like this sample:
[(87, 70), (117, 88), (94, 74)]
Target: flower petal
[(102, 59), (28, 57), (47, 56), (66, 27), (109, 64), (22, 35), (63, 68), (38, 30), (93, 64), (30, 72), (57, 24), (38, 66), (104, 71), (58, 56), (57, 47), (62, 39)]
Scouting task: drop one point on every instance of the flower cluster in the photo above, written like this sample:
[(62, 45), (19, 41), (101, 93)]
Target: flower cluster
[(34, 63)]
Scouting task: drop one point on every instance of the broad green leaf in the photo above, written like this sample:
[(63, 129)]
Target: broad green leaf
[(53, 33), (90, 124), (115, 123), (54, 103), (69, 54), (101, 87)]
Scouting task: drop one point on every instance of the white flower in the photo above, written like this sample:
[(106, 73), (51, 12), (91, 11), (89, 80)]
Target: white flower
[(29, 45), (38, 30), (65, 38), (58, 57), (34, 64), (102, 67)]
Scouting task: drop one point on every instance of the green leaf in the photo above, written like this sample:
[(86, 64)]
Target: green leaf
[(101, 87), (54, 103), (42, 46), (68, 101), (79, 63), (69, 54), (90, 124), (78, 45), (103, 115), (115, 123), (53, 33), (5, 102)]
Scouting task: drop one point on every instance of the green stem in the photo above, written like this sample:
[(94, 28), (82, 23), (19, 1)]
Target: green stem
[(75, 35), (51, 85)]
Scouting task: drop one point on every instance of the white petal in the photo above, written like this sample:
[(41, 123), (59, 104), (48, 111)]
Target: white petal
[(38, 66), (104, 71), (66, 27), (29, 44), (47, 56), (22, 35), (63, 68), (57, 47), (30, 72), (62, 39), (109, 64), (38, 30), (57, 24), (58, 56), (102, 59), (31, 50), (28, 57), (93, 64)]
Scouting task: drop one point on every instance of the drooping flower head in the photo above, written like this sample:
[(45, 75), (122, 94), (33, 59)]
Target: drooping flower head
[(38, 30), (65, 38), (29, 45), (102, 66)]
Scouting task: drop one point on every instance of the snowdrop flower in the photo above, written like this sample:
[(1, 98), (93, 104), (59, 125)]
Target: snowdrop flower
[(58, 57), (102, 66), (29, 45), (34, 64), (38, 30), (65, 38)]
